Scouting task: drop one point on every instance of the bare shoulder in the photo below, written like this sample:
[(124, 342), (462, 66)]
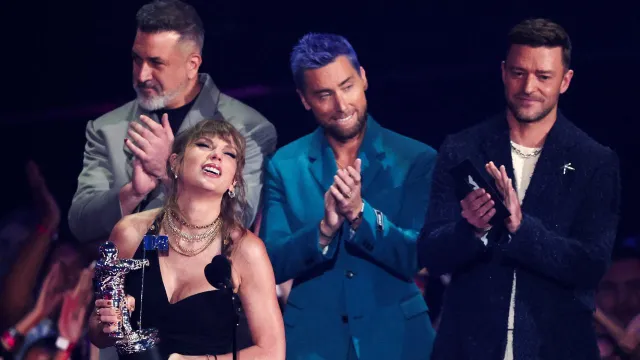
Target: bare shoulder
[(250, 259), (249, 249), (128, 232)]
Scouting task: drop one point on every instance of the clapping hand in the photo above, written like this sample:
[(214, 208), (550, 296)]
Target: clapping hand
[(51, 293), (332, 219), (142, 182), (151, 144), (511, 201), (74, 307), (347, 190)]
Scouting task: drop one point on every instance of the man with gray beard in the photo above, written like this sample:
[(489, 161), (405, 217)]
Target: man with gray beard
[(523, 285), (127, 149)]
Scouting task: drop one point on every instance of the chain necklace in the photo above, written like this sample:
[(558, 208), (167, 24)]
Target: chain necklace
[(185, 223), (523, 155), (177, 247), (174, 241), (191, 238)]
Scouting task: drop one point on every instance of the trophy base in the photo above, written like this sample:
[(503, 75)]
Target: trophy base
[(137, 343)]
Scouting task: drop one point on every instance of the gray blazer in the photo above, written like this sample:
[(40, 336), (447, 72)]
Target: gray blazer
[(107, 164)]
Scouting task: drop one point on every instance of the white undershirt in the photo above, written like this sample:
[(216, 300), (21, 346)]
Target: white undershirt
[(522, 171)]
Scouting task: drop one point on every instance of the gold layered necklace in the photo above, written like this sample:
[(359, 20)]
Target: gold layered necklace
[(184, 223), (178, 236)]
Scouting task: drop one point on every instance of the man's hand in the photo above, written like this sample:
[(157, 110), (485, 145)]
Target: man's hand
[(511, 201), (152, 145), (347, 191), (332, 219), (477, 209), (132, 193), (142, 182)]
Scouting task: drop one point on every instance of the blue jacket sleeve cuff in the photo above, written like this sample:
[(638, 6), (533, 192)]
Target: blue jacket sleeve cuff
[(325, 252), (372, 222)]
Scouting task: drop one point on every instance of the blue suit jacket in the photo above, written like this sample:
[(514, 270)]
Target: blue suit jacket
[(362, 288), (559, 253)]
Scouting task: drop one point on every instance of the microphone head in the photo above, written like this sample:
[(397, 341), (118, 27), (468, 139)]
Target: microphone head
[(218, 272)]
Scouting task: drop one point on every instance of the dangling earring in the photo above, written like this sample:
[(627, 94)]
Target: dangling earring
[(175, 175), (232, 194)]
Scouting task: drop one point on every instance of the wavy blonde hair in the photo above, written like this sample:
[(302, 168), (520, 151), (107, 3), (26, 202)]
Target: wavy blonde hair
[(231, 209)]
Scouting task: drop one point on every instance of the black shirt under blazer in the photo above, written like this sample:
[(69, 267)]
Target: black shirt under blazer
[(560, 252)]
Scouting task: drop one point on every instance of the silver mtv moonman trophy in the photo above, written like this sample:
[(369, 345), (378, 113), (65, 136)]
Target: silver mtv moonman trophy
[(110, 273)]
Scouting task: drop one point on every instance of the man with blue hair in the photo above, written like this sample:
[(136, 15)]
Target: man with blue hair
[(342, 210)]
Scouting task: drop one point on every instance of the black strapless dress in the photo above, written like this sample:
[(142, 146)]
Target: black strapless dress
[(200, 324)]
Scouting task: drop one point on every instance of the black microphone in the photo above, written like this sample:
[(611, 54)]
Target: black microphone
[(218, 272)]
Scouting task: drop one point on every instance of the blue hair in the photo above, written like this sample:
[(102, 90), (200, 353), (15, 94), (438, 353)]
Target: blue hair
[(314, 51)]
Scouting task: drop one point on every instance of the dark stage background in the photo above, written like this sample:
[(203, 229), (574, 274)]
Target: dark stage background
[(433, 68)]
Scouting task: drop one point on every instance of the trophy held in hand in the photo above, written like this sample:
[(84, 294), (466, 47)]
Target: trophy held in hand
[(110, 273)]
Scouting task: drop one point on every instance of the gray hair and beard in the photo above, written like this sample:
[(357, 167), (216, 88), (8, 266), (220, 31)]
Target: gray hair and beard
[(152, 103), (344, 135)]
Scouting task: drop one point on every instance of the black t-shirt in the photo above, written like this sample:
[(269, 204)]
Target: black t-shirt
[(176, 116)]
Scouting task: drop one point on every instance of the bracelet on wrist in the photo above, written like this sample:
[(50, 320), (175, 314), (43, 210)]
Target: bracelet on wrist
[(359, 215), (322, 233), (63, 344)]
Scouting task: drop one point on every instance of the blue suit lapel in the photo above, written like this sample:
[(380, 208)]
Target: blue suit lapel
[(322, 164), (548, 173), (497, 147), (371, 153)]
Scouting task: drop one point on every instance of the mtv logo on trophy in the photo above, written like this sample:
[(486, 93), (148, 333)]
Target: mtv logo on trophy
[(110, 273)]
